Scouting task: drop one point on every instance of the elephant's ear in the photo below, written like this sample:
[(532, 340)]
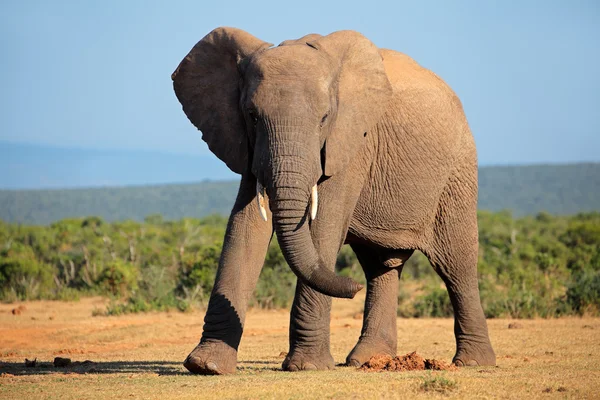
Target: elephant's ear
[(363, 92), (206, 83)]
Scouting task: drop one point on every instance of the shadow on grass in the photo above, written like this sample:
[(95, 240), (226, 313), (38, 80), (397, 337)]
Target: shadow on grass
[(116, 367), (221, 315), (92, 367)]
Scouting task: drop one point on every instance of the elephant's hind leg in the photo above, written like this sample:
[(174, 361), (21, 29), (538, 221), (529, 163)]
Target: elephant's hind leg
[(378, 335), (454, 257)]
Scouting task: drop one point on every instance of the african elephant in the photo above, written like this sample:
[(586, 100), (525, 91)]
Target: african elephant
[(337, 142)]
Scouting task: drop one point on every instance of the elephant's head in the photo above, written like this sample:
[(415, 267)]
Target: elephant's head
[(290, 115)]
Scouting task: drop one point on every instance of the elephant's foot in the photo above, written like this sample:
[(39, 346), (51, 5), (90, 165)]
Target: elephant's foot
[(472, 354), (366, 349), (211, 358), (298, 360)]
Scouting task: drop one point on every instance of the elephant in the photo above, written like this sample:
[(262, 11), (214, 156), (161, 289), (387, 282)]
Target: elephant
[(337, 142)]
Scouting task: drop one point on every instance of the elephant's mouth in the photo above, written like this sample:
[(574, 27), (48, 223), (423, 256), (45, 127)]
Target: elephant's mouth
[(260, 201)]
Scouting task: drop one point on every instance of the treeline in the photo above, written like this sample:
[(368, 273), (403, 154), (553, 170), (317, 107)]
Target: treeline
[(541, 265), (526, 190), (530, 189)]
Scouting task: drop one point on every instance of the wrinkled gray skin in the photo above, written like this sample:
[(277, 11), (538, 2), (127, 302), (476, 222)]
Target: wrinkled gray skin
[(387, 143)]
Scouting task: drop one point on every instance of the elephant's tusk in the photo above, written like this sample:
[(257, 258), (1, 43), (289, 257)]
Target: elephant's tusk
[(260, 200), (314, 202)]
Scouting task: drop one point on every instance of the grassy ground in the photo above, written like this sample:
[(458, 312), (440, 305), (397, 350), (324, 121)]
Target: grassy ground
[(140, 356)]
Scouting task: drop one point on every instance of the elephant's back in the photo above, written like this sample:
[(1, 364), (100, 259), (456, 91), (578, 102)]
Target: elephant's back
[(405, 73)]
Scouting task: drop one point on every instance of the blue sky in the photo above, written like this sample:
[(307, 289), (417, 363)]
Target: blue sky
[(96, 74)]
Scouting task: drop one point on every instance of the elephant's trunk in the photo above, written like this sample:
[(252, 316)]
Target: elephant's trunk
[(289, 189)]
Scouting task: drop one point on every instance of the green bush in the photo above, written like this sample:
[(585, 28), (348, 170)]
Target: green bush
[(583, 294), (133, 304), (68, 294), (119, 278), (347, 265), (22, 275), (540, 266), (197, 275), (435, 303), (438, 384), (276, 284)]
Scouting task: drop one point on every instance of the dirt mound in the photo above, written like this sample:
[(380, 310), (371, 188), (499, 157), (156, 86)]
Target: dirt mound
[(19, 310), (408, 362), (437, 365)]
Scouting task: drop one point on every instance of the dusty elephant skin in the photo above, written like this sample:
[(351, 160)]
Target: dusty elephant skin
[(337, 142)]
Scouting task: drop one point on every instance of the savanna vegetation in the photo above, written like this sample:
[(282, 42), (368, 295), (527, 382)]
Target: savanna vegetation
[(533, 266), (526, 190)]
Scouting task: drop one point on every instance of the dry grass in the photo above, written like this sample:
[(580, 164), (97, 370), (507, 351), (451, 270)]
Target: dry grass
[(139, 356)]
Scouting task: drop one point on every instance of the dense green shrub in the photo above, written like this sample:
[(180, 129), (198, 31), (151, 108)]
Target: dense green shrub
[(540, 266), (119, 277), (277, 283), (347, 265), (197, 273), (583, 294), (435, 303), (22, 275)]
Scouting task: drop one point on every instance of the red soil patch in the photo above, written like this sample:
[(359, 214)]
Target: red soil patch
[(408, 362)]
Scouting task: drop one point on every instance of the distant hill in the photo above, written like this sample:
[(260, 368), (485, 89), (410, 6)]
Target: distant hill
[(118, 203), (557, 189), (527, 190)]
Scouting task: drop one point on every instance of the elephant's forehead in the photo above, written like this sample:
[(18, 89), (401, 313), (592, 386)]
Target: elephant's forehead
[(299, 61)]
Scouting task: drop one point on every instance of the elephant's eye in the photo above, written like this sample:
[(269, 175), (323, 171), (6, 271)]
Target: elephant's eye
[(253, 117), (323, 120)]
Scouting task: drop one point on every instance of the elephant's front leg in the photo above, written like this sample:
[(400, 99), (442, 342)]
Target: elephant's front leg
[(244, 250), (309, 331), (310, 315)]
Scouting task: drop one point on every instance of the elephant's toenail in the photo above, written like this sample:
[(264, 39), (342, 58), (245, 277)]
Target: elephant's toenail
[(459, 363), (310, 367), (353, 363), (292, 368), (211, 366)]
